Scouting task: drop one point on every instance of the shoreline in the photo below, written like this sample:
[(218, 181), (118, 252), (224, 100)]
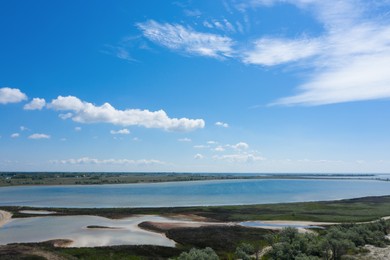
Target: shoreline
[(191, 177), (5, 217)]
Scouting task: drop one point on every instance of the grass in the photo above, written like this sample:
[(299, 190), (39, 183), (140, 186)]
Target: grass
[(349, 210)]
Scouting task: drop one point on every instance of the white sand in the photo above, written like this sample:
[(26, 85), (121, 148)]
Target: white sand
[(37, 212), (5, 216)]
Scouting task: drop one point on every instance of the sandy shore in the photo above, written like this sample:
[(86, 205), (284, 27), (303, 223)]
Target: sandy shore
[(4, 217), (298, 223), (37, 212)]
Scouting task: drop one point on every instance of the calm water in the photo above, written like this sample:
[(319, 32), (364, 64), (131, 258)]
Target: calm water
[(126, 232), (225, 192)]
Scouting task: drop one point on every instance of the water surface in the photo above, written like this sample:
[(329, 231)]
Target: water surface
[(194, 193), (122, 232)]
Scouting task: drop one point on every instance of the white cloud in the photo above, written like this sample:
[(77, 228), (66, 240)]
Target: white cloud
[(184, 139), (222, 124), (201, 146), (198, 156), (240, 146), (349, 60), (84, 112), (77, 128), (212, 142), (187, 40), (273, 51), (223, 25), (11, 95), (239, 158), (65, 116), (39, 136), (219, 149), (23, 128), (194, 12), (35, 104), (15, 135), (123, 131), (88, 160), (67, 103)]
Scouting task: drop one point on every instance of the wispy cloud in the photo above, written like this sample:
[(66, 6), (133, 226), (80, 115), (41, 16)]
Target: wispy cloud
[(88, 160), (85, 112), (39, 136), (187, 40), (239, 158), (193, 12), (240, 146), (222, 124), (274, 51), (198, 156), (184, 139), (11, 95), (349, 61), (35, 104), (201, 146), (15, 135), (219, 149), (223, 25), (123, 131)]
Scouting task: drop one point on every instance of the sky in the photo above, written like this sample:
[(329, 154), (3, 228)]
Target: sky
[(264, 86)]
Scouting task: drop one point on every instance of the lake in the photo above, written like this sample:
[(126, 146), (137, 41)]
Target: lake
[(121, 232), (195, 193)]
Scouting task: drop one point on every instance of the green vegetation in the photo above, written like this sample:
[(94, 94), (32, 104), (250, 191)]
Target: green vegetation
[(335, 243), (331, 244), (89, 178), (199, 254), (350, 210), (80, 178)]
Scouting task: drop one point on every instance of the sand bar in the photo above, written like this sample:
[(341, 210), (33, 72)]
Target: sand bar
[(5, 217), (37, 212)]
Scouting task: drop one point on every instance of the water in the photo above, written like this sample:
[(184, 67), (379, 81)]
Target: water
[(123, 231), (262, 224), (196, 193)]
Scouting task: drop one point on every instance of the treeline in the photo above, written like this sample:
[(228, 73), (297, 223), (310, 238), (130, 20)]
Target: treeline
[(331, 244)]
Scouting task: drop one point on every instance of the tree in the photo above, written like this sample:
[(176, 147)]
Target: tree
[(199, 254), (336, 243), (244, 251)]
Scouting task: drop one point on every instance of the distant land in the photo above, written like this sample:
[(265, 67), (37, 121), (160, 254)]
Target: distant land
[(93, 178)]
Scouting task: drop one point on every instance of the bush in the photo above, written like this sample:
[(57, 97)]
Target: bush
[(199, 254)]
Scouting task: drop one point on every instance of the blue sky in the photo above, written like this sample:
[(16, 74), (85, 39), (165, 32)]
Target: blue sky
[(195, 86)]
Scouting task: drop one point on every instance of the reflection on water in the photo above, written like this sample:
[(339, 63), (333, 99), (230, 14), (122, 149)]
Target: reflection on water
[(124, 231)]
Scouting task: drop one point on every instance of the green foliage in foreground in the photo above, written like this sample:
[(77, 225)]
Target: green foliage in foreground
[(333, 244), (199, 254)]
